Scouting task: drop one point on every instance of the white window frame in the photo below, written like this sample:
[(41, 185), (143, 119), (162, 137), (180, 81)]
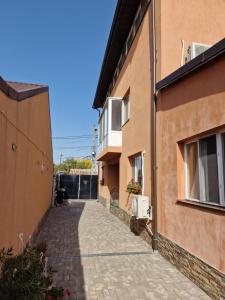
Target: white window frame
[(220, 166), (124, 120), (135, 168)]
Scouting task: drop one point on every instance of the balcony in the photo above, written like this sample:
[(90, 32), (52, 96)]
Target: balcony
[(110, 135)]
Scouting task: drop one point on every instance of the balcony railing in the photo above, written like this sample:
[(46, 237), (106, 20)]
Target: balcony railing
[(110, 134)]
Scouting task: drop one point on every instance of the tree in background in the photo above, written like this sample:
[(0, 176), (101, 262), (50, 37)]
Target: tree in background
[(72, 163)]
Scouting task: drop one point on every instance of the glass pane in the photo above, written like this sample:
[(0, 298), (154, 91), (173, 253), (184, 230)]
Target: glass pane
[(223, 158), (209, 169), (138, 169), (106, 121), (103, 125), (116, 115), (192, 171), (125, 110)]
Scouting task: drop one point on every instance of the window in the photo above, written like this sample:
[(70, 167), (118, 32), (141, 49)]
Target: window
[(116, 115), (205, 169), (128, 43), (102, 181), (137, 20), (125, 110), (137, 169), (129, 40)]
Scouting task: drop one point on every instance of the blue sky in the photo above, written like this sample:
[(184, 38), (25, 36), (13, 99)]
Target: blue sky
[(62, 44)]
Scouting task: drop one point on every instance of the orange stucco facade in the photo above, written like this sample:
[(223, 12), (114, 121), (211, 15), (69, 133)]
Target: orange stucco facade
[(183, 20), (26, 168), (199, 21), (191, 108), (135, 78)]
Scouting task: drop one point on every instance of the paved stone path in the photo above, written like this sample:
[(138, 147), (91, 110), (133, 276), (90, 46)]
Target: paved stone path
[(97, 257)]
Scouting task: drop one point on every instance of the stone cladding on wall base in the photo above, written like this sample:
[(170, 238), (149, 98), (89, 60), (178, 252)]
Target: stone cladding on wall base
[(102, 200), (138, 227), (206, 277)]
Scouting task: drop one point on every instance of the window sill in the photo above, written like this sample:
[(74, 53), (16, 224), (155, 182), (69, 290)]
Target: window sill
[(201, 205)]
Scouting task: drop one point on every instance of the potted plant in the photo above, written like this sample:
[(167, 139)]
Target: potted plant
[(139, 202), (27, 275), (134, 187), (60, 195)]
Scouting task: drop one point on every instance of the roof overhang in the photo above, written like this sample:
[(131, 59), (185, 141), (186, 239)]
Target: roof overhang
[(20, 91), (122, 22)]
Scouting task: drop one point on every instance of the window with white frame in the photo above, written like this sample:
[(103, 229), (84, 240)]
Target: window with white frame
[(205, 169), (125, 110), (137, 169), (116, 115)]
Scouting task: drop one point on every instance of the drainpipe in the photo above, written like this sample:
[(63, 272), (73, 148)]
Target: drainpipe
[(153, 128), (99, 112), (143, 173)]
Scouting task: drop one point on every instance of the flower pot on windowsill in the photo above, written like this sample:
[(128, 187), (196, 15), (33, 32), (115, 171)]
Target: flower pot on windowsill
[(134, 187)]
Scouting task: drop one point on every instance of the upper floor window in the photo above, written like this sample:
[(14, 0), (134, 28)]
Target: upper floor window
[(125, 110), (116, 115), (205, 169)]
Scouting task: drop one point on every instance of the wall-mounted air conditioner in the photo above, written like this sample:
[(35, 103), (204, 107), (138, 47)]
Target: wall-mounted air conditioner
[(196, 49), (140, 206)]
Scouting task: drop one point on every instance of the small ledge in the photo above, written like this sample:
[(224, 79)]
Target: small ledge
[(199, 204)]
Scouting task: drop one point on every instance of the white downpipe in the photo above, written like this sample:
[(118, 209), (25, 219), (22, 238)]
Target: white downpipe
[(182, 54), (143, 173)]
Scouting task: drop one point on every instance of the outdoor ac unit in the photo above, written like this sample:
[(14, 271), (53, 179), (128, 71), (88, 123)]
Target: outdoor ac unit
[(140, 206), (196, 49)]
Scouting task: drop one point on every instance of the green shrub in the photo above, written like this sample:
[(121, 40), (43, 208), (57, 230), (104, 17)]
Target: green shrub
[(25, 277)]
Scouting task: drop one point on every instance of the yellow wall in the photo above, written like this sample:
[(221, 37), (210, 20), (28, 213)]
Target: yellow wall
[(187, 109), (25, 190)]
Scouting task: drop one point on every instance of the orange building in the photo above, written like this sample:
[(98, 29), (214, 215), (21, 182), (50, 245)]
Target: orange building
[(191, 168), (26, 165), (139, 128)]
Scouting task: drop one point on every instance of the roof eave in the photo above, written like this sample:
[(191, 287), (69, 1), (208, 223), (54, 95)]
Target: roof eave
[(20, 95), (129, 9)]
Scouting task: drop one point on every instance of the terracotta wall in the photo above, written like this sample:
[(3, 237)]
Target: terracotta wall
[(111, 178), (135, 75), (189, 108), (199, 21), (26, 173), (187, 20)]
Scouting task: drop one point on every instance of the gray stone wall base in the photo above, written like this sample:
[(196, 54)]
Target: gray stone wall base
[(206, 277), (138, 227), (102, 200)]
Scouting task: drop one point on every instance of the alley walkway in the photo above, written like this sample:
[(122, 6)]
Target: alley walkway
[(97, 257)]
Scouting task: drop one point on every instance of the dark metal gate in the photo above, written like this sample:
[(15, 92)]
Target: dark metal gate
[(79, 186)]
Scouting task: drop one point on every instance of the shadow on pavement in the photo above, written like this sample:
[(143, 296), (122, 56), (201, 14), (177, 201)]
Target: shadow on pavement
[(60, 231)]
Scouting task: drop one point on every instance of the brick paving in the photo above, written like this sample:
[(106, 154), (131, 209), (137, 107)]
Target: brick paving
[(97, 257)]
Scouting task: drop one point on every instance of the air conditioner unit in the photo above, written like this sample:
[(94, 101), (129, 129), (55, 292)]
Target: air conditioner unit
[(140, 206), (196, 49)]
